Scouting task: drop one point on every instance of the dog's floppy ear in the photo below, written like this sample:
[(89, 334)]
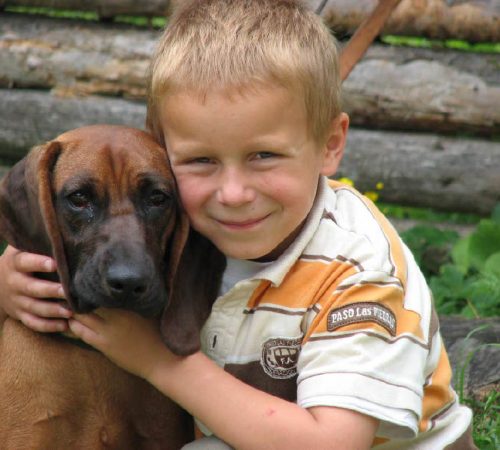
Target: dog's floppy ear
[(27, 216), (197, 267)]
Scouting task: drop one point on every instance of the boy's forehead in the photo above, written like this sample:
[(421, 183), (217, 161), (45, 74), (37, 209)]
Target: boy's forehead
[(230, 94), (267, 117)]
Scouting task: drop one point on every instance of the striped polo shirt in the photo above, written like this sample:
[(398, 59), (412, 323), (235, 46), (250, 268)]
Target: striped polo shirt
[(342, 318)]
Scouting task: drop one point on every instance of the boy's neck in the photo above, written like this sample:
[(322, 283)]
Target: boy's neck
[(282, 246)]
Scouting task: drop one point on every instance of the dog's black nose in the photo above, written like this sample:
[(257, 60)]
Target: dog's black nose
[(125, 281)]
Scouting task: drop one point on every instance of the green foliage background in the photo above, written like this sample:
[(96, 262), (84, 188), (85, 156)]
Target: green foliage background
[(463, 273)]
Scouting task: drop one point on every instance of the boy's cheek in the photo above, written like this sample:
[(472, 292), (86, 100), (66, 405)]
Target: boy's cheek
[(191, 195)]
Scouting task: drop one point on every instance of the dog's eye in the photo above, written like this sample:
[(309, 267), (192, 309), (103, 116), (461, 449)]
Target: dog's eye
[(79, 200), (158, 198)]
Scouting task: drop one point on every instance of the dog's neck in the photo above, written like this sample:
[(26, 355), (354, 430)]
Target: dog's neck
[(68, 336)]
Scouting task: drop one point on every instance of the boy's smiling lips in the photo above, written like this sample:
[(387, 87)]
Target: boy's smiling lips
[(242, 224)]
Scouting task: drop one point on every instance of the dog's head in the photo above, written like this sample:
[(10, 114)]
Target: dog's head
[(102, 201)]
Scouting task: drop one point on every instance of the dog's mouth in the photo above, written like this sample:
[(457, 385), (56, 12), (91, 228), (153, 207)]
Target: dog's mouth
[(115, 278), (148, 309), (149, 303)]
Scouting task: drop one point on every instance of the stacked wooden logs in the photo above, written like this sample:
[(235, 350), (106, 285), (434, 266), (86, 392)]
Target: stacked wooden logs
[(423, 119)]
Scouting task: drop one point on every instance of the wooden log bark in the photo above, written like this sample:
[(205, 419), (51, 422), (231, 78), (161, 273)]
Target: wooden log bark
[(29, 118), (415, 89), (3, 170), (104, 8), (471, 338), (441, 19), (422, 94), (425, 170), (416, 169), (438, 19)]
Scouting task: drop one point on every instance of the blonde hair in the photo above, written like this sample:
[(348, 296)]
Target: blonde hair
[(236, 44)]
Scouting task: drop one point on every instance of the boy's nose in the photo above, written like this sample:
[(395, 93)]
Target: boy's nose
[(235, 189)]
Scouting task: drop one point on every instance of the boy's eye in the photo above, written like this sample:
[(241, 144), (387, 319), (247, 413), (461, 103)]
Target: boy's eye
[(201, 160), (265, 155)]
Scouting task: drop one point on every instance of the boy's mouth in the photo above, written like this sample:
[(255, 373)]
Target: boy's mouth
[(242, 224)]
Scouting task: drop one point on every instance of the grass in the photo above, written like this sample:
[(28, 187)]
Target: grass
[(454, 44), (486, 411), (486, 421), (427, 214), (140, 21)]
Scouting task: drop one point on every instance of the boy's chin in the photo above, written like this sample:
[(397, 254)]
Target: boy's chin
[(247, 252)]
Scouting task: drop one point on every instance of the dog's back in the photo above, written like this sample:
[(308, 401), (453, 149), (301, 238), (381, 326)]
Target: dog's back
[(55, 394)]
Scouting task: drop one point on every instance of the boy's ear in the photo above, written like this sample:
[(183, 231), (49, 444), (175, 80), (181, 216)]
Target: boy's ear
[(335, 143)]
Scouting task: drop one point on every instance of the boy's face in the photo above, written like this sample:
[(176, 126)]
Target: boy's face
[(246, 166)]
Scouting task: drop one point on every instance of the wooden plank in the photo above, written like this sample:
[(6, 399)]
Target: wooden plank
[(472, 21), (416, 169), (415, 89), (421, 94), (469, 337), (441, 19), (29, 117), (453, 174), (3, 170), (104, 8)]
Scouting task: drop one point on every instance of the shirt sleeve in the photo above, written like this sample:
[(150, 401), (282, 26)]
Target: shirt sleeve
[(366, 348)]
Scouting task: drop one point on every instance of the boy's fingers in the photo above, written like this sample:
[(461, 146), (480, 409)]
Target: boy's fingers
[(88, 320), (43, 325), (31, 262), (44, 309), (43, 289), (82, 331)]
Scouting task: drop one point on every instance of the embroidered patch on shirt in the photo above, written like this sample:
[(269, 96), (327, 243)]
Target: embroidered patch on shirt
[(279, 357), (362, 312)]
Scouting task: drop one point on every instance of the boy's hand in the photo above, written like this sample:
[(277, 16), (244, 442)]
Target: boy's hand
[(22, 293), (129, 340)]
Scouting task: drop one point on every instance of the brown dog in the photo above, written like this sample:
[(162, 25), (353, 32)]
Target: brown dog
[(102, 201)]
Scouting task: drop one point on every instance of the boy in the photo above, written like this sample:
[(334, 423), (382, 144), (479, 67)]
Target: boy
[(324, 335)]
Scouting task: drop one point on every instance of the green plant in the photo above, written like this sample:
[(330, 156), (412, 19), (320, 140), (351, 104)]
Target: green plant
[(469, 282), (486, 420), (426, 214), (430, 246), (486, 417), (417, 41)]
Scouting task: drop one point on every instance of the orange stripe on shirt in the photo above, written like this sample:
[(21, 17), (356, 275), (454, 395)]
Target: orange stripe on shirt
[(437, 393), (305, 283)]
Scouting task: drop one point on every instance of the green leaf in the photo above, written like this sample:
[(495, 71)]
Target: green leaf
[(483, 292), (492, 265), (495, 215), (431, 246), (460, 254), (484, 242), (448, 290)]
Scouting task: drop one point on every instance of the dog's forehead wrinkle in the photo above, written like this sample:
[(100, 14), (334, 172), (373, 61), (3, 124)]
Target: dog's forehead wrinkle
[(82, 179), (114, 157), (122, 209)]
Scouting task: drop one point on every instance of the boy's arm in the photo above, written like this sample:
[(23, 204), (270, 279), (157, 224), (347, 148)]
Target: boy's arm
[(249, 418), (239, 414), (22, 293)]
